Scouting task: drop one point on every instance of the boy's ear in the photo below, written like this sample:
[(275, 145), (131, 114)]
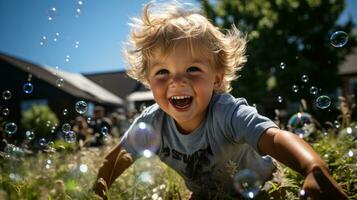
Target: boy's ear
[(218, 81)]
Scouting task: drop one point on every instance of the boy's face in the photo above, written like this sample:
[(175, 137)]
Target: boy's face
[(183, 85)]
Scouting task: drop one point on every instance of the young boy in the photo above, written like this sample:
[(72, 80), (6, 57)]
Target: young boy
[(189, 64)]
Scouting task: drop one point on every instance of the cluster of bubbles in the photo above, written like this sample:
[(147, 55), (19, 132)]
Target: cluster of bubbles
[(144, 139), (247, 183)]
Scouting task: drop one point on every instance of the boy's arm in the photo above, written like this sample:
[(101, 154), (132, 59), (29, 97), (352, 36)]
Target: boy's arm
[(114, 164), (295, 153)]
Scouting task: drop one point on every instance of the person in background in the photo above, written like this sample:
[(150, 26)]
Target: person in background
[(101, 126)]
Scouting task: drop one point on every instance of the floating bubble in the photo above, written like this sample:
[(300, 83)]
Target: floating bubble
[(6, 111), (48, 163), (55, 38), (70, 136), (83, 168), (10, 128), (42, 142), (339, 39), (6, 95), (295, 88), (350, 153), (143, 137), (104, 131), (146, 177), (349, 130), (13, 153), (304, 78), (303, 194), (313, 90), (247, 183), (89, 120), (65, 111), (43, 40), (81, 107), (280, 99), (67, 58), (52, 13), (66, 127), (301, 124), (336, 124), (28, 88), (282, 65), (323, 102), (29, 77), (59, 82), (80, 3), (76, 44), (30, 135)]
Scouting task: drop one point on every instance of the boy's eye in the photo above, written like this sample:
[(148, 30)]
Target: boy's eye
[(193, 69), (162, 72)]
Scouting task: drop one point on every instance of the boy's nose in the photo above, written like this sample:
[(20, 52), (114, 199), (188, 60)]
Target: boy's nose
[(178, 80)]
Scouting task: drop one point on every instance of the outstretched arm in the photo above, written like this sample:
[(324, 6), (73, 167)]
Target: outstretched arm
[(295, 153), (114, 164)]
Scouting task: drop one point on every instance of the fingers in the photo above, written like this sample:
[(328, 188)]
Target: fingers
[(329, 187)]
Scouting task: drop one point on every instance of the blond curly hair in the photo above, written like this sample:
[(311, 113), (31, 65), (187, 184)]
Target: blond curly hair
[(162, 26)]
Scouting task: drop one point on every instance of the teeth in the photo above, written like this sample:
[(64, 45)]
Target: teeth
[(180, 97)]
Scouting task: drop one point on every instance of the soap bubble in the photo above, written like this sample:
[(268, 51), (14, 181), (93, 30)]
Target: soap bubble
[(247, 183), (83, 168), (77, 44), (6, 95), (301, 124), (65, 111), (295, 88), (313, 90), (280, 99), (42, 142), (6, 111), (70, 136), (323, 102), (30, 135), (104, 131), (67, 58), (66, 127), (28, 88), (10, 128), (143, 137), (304, 78), (282, 65), (52, 13), (339, 39), (59, 82), (81, 107), (43, 40)]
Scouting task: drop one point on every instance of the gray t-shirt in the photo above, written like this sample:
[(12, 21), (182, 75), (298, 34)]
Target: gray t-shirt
[(224, 143)]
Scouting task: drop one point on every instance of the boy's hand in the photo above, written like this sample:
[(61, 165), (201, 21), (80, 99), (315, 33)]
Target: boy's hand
[(319, 184)]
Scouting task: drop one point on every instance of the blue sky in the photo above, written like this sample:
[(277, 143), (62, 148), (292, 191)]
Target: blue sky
[(99, 29)]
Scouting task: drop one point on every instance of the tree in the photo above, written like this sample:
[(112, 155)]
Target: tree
[(293, 32)]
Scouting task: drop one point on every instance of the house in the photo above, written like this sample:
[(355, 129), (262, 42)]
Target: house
[(31, 84), (348, 72), (135, 94)]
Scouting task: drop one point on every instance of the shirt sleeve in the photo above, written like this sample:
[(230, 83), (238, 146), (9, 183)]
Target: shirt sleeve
[(248, 124), (241, 122)]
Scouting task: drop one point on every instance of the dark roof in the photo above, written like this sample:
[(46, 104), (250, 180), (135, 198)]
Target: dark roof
[(117, 82), (74, 84), (349, 67)]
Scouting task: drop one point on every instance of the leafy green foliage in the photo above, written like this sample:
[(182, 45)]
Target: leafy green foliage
[(295, 32), (40, 119)]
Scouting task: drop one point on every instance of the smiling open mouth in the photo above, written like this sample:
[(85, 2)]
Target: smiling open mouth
[(181, 102)]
